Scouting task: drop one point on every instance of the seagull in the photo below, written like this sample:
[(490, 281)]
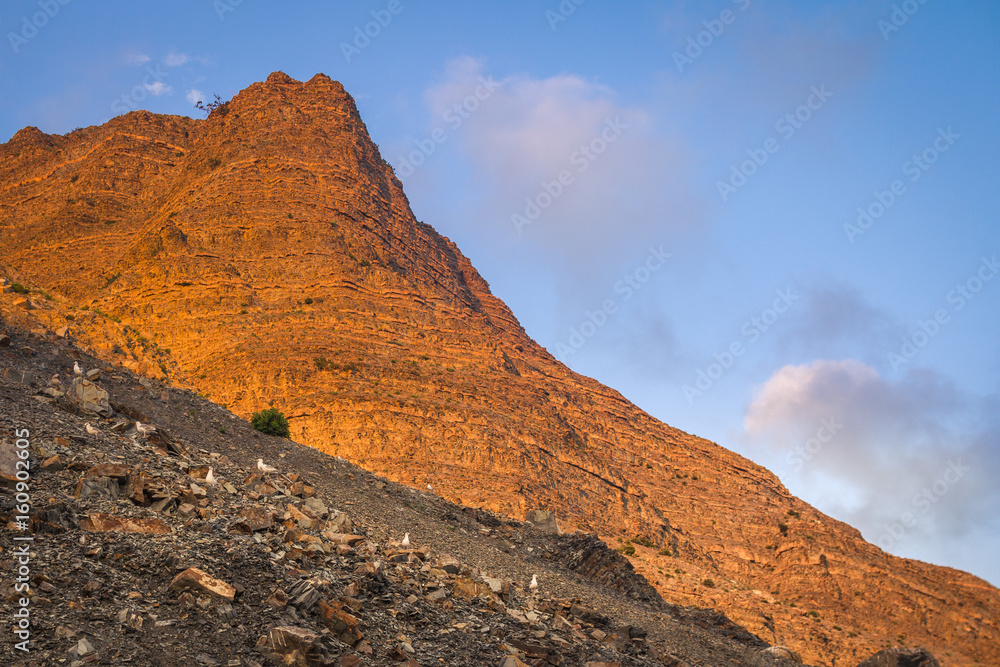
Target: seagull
[(430, 488), (533, 586), (77, 371), (144, 429), (210, 478), (55, 380), (91, 430), (406, 541), (264, 468)]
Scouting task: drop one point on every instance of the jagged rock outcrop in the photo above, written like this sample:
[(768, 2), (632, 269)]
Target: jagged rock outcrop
[(268, 255)]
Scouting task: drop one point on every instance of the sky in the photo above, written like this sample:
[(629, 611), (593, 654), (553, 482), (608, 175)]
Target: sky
[(770, 224)]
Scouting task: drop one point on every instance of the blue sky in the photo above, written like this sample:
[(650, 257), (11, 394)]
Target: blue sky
[(667, 195)]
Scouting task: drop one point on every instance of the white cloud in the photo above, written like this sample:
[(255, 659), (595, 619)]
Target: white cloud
[(194, 96), (158, 88), (868, 450), (174, 59), (137, 58), (625, 177)]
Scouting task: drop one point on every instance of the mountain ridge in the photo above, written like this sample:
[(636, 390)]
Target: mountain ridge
[(268, 254)]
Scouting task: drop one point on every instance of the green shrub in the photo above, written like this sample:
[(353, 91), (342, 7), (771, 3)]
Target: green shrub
[(627, 549), (19, 288), (793, 513), (644, 541), (270, 422), (708, 583), (783, 528)]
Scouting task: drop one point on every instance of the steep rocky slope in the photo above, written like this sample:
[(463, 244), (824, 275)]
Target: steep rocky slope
[(267, 255), (137, 557)]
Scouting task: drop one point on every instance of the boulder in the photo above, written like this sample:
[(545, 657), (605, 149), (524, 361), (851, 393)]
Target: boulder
[(317, 507), (901, 657), (544, 521), (783, 652), (88, 398), (289, 645)]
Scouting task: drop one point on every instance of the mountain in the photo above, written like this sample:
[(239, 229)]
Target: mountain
[(137, 557), (268, 256)]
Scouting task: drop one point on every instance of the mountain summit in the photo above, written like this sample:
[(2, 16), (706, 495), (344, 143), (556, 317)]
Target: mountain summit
[(267, 255)]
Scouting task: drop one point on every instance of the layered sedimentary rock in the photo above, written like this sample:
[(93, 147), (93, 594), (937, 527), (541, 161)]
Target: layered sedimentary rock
[(268, 256)]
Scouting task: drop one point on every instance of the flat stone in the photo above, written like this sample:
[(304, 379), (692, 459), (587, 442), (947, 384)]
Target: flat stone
[(53, 464), (115, 470), (193, 579), (292, 645), (438, 595), (256, 518), (511, 661), (106, 523), (344, 538), (317, 507)]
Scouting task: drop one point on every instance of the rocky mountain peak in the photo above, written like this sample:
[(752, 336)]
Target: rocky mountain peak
[(267, 255)]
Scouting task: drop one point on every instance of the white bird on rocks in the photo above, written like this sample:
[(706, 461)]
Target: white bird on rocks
[(210, 478), (406, 541), (430, 488), (264, 468), (77, 371), (144, 429), (90, 429), (55, 381), (533, 586)]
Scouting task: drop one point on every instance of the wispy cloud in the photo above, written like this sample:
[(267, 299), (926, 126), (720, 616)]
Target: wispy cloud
[(175, 59), (136, 58), (158, 88), (625, 178), (194, 96)]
